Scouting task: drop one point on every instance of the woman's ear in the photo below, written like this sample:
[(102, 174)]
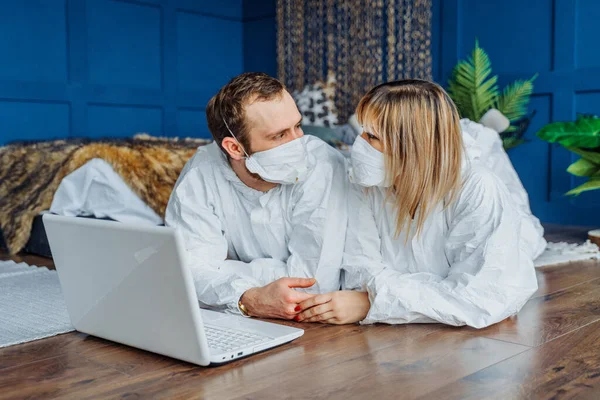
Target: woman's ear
[(233, 148)]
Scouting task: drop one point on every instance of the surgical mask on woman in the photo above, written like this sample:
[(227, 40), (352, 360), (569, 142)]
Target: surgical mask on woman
[(285, 164), (367, 165)]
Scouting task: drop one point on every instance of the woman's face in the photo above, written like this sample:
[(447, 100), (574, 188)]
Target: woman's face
[(373, 140)]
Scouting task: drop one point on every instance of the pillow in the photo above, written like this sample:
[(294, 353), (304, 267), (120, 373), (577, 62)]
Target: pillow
[(315, 104)]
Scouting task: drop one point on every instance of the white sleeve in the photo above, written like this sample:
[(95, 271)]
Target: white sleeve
[(490, 277), (219, 282), (319, 219), (362, 252)]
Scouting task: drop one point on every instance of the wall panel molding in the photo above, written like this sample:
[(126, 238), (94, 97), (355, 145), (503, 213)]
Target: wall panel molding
[(558, 40), (132, 55)]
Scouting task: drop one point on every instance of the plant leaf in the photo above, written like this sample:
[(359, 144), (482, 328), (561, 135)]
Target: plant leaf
[(592, 184), (583, 167), (583, 133), (471, 87), (515, 98), (591, 156), (516, 132), (510, 142)]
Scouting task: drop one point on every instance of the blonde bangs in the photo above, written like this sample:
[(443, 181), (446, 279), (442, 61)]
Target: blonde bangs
[(418, 126)]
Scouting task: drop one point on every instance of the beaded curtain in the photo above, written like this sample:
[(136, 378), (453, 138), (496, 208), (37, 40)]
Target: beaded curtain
[(359, 42)]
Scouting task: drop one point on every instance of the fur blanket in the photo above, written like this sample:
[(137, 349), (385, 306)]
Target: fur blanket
[(30, 174)]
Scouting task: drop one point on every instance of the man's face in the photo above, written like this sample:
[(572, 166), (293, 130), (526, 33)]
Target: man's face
[(273, 123)]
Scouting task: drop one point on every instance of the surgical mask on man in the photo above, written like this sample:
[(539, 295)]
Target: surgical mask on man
[(285, 164), (367, 165)]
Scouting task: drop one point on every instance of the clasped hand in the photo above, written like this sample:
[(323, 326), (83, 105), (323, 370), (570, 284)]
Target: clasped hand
[(341, 307)]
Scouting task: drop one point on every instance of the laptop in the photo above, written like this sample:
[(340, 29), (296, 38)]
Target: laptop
[(130, 284)]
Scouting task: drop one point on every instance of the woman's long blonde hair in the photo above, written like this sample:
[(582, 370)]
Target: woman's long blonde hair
[(418, 125)]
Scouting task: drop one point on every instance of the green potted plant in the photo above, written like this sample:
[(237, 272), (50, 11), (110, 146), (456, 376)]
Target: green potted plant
[(582, 137), (476, 94)]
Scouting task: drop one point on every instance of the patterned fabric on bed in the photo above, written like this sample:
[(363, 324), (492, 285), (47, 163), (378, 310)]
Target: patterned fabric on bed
[(31, 172)]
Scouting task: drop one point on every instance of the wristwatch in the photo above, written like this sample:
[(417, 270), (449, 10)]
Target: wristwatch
[(243, 308)]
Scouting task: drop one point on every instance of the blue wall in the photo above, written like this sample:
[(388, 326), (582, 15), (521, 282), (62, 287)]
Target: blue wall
[(260, 28), (73, 68), (559, 40)]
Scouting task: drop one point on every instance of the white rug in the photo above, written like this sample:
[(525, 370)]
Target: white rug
[(562, 252), (31, 304)]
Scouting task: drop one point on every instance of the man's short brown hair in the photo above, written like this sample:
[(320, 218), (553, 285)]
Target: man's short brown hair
[(230, 102)]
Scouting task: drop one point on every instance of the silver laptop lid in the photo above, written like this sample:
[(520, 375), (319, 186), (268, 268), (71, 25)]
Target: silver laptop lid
[(128, 284)]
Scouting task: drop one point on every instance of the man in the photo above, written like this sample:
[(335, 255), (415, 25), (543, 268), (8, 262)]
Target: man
[(263, 208)]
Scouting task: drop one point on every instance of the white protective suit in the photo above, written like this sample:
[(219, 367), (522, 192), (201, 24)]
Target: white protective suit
[(487, 146), (471, 265), (238, 238)]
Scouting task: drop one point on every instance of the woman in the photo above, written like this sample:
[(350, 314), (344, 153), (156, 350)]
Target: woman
[(435, 236)]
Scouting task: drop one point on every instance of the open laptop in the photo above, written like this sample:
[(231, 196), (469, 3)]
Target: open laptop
[(130, 284)]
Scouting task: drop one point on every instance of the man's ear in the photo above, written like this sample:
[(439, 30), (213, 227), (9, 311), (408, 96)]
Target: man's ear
[(233, 148)]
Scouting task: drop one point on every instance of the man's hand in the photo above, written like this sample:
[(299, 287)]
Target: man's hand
[(342, 307), (277, 299)]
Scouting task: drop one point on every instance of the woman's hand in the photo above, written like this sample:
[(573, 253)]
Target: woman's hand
[(342, 307)]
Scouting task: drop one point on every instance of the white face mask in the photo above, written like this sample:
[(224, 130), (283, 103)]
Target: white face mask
[(367, 165), (285, 164)]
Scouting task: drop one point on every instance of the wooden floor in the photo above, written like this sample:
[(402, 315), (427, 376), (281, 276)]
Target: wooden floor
[(551, 350)]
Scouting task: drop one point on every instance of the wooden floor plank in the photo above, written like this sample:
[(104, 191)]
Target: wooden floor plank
[(568, 367), (547, 317), (357, 363), (72, 344), (131, 361), (556, 278), (68, 376), (412, 368), (279, 369)]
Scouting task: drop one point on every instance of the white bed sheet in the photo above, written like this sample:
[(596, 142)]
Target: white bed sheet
[(97, 190)]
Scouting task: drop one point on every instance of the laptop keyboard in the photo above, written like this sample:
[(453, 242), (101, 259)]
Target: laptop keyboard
[(226, 339)]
